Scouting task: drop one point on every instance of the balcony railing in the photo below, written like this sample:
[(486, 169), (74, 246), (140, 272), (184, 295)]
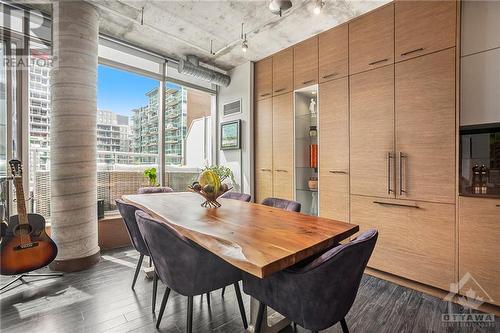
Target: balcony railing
[(122, 174)]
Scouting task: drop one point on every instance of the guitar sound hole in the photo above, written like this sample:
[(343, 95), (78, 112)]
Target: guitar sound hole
[(23, 229)]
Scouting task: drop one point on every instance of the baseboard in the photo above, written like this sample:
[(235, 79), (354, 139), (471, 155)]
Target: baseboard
[(426, 289)]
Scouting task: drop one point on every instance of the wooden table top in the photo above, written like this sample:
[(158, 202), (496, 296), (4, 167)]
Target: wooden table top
[(257, 239)]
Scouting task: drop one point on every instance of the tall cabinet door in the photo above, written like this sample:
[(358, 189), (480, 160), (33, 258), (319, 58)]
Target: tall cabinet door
[(423, 27), (263, 149), (264, 78), (425, 127), (372, 132), (283, 146), (283, 72), (371, 40), (334, 149), (334, 53), (305, 63)]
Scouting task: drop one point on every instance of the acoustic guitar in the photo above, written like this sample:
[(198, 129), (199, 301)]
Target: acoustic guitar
[(25, 245)]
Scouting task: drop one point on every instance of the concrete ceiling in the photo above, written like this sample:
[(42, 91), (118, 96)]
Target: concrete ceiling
[(179, 28)]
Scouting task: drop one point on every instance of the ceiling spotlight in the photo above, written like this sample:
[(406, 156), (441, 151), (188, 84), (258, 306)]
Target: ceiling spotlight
[(277, 7), (318, 6), (244, 43)]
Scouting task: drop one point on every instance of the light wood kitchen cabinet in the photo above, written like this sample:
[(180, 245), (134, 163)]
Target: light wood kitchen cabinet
[(416, 239), (372, 132), (479, 219), (263, 149), (264, 78), (425, 127), (371, 40), (283, 137), (283, 72), (334, 149), (423, 27), (334, 53), (305, 63)]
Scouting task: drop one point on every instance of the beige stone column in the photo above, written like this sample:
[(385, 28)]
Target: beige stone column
[(73, 135)]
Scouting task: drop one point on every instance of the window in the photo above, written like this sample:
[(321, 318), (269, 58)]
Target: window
[(127, 132), (39, 129), (187, 128)]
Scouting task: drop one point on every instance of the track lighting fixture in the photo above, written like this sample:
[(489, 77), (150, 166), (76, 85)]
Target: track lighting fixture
[(277, 7), (244, 43), (318, 6)]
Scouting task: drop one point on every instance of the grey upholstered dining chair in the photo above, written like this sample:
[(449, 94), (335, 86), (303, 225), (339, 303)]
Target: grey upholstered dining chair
[(154, 189), (128, 214), (289, 205), (185, 267), (319, 292), (237, 196)]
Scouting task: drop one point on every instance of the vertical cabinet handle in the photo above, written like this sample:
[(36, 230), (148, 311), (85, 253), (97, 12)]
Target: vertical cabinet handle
[(402, 156), (389, 172)]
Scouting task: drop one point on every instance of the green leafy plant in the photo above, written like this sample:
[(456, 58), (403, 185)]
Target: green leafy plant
[(151, 174), (224, 173)]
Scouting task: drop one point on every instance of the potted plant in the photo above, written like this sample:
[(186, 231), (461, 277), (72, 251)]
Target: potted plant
[(151, 174)]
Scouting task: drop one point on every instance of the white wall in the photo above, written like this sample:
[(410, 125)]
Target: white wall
[(240, 161), (197, 143)]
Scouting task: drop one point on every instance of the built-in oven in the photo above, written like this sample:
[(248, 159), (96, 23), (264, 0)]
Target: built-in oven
[(480, 161)]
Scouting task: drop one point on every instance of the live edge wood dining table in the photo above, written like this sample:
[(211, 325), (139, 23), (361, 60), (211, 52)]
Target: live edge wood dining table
[(260, 240)]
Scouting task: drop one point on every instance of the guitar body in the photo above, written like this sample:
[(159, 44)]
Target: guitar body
[(26, 247)]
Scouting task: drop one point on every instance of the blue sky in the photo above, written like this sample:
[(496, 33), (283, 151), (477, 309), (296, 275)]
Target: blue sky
[(121, 91)]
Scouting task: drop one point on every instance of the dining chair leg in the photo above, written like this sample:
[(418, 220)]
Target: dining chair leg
[(163, 305), (240, 304), (208, 299), (223, 291), (294, 327), (150, 261), (260, 317), (137, 270), (344, 325), (155, 288), (189, 323)]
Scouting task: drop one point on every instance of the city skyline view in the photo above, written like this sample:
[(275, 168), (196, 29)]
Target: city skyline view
[(116, 93)]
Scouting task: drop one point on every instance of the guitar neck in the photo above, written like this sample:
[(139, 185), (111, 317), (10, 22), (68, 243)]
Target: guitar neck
[(20, 201)]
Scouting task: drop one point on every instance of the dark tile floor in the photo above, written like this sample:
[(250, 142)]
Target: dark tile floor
[(100, 300)]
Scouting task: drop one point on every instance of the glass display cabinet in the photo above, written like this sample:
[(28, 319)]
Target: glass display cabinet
[(306, 148)]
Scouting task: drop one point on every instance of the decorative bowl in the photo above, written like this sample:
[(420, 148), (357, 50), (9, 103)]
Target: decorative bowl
[(210, 198)]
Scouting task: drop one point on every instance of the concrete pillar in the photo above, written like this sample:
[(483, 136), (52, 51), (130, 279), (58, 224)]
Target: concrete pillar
[(73, 135)]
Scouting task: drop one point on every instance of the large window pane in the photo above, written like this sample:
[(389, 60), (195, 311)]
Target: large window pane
[(187, 125), (39, 128), (127, 132)]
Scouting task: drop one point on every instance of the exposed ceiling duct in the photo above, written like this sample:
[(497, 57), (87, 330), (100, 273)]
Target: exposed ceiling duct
[(191, 66)]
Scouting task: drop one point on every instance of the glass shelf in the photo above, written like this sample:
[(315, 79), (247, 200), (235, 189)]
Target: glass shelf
[(307, 115), (307, 190)]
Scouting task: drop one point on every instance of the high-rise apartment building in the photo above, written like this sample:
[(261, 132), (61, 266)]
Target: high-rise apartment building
[(145, 125), (39, 113), (113, 136)]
